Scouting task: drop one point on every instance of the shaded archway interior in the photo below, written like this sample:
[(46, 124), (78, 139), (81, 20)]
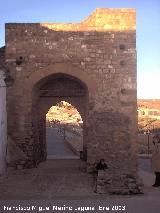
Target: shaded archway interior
[(48, 92)]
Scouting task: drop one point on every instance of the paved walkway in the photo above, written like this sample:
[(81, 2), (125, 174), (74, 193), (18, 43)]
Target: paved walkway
[(56, 146), (65, 182), (51, 179)]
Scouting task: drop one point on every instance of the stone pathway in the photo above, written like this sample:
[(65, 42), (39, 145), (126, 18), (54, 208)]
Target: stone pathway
[(51, 179), (65, 182), (57, 148)]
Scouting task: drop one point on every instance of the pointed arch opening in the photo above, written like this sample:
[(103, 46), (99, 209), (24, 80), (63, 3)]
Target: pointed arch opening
[(59, 91)]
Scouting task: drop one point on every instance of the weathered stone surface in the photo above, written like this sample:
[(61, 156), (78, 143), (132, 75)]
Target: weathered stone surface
[(3, 123), (81, 64), (118, 184), (14, 153)]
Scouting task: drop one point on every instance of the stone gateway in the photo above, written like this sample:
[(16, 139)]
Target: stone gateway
[(91, 65)]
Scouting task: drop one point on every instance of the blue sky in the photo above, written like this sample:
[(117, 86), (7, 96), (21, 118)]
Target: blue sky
[(148, 28)]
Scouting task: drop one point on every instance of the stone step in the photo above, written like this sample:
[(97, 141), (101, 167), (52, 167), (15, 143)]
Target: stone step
[(49, 157)]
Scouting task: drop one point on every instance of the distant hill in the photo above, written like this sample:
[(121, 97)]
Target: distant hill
[(149, 103), (63, 112)]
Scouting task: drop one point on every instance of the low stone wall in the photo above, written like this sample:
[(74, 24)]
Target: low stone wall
[(123, 184), (74, 141), (75, 129)]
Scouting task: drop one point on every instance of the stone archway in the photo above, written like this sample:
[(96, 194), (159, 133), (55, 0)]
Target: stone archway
[(49, 91), (98, 56), (38, 75), (27, 130)]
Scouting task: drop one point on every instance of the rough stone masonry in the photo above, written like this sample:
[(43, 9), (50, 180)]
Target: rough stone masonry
[(92, 65), (3, 118)]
